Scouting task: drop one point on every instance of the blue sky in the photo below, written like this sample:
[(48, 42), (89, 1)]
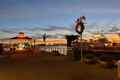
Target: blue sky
[(46, 13)]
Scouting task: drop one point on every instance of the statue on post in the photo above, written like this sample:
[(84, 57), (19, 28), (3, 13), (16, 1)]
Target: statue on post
[(44, 37), (79, 27)]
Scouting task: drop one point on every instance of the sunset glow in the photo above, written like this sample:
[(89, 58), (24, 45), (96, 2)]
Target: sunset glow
[(114, 37)]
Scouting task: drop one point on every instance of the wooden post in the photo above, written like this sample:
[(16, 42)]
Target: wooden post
[(118, 69)]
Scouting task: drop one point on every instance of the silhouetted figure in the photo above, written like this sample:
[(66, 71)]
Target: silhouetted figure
[(79, 28)]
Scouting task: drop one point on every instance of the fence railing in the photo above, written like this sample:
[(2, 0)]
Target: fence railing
[(61, 50)]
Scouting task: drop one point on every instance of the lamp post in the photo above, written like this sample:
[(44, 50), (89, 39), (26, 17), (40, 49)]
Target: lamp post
[(79, 28), (44, 38)]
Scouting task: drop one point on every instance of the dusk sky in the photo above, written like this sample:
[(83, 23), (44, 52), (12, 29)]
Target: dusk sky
[(61, 13)]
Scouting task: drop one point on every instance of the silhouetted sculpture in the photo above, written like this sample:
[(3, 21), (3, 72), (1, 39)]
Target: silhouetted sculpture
[(79, 27), (44, 37)]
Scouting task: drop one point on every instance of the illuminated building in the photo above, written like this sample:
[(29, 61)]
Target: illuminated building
[(21, 42)]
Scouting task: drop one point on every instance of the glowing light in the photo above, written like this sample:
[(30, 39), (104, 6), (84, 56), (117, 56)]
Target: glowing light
[(113, 37), (21, 34), (20, 47)]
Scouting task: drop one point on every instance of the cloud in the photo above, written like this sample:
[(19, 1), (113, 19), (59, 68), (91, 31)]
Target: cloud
[(58, 31), (37, 32), (114, 29)]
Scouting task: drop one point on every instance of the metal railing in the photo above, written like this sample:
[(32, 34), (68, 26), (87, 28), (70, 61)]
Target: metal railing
[(61, 50)]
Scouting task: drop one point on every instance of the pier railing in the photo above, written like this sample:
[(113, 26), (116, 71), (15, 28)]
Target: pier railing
[(60, 50)]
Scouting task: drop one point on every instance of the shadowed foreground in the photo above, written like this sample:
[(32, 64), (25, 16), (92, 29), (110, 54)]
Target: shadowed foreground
[(19, 67)]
